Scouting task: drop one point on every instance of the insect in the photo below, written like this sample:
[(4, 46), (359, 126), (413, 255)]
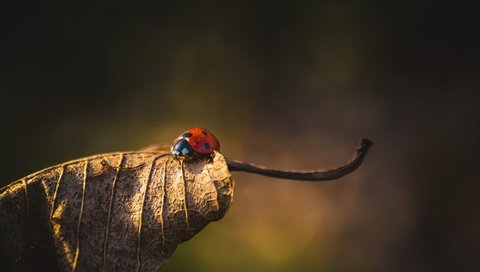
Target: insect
[(125, 211), (194, 143)]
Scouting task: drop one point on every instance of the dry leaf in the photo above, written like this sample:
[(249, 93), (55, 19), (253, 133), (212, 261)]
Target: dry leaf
[(112, 212), (123, 211)]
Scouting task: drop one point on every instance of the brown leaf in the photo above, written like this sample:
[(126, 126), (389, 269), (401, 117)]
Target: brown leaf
[(113, 212)]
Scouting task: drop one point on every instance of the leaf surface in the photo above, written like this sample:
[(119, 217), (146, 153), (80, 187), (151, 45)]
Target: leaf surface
[(114, 212)]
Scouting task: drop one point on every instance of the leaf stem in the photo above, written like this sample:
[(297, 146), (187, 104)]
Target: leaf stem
[(316, 175)]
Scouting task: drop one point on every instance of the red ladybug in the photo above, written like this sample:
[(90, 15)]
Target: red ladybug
[(195, 142)]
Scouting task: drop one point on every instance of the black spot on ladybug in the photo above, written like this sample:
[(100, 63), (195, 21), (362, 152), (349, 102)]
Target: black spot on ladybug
[(204, 132), (207, 146), (187, 135)]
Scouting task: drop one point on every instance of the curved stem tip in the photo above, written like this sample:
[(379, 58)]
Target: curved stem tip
[(322, 175)]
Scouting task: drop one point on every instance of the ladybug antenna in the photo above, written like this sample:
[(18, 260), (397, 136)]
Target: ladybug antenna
[(316, 175)]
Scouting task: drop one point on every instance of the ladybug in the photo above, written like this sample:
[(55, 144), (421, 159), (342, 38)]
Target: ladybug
[(194, 143)]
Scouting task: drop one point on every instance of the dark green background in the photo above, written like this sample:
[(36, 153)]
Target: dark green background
[(285, 84)]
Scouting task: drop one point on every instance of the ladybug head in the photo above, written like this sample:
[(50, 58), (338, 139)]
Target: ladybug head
[(182, 148)]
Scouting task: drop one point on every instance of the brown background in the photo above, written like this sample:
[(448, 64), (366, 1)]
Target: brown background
[(291, 85)]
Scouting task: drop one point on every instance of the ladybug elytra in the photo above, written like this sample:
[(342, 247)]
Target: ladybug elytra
[(195, 142)]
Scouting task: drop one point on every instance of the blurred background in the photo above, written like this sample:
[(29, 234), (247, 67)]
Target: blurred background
[(285, 84)]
